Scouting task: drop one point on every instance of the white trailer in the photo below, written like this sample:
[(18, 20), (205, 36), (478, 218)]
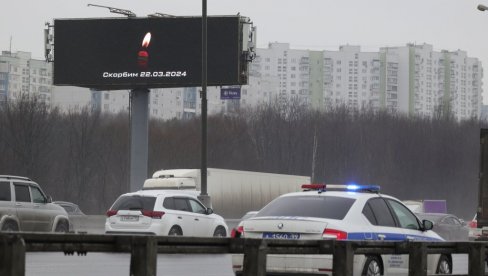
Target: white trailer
[(232, 192)]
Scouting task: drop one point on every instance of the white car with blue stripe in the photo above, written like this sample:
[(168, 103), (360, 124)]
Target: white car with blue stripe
[(343, 212)]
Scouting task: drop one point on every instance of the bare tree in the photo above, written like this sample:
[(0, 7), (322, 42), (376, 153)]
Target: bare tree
[(28, 126), (83, 157)]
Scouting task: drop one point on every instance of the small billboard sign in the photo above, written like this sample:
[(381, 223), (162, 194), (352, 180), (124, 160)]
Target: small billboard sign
[(230, 93)]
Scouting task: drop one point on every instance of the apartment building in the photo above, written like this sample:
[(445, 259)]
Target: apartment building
[(432, 83), (21, 74), (411, 79), (285, 71)]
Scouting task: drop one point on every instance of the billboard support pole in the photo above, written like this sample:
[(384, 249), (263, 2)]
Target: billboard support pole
[(204, 197), (139, 127)]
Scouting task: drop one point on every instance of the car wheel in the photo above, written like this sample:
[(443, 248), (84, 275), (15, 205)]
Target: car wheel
[(175, 231), (220, 232), (62, 227), (372, 266), (10, 226), (444, 266)]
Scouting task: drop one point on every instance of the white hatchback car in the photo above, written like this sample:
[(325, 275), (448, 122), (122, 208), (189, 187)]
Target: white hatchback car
[(340, 212), (163, 212)]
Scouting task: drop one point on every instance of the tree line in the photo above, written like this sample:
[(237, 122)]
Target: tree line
[(83, 157)]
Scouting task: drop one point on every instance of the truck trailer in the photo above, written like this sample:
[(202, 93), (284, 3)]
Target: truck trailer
[(233, 192)]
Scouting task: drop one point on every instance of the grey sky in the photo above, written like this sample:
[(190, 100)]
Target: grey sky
[(305, 24)]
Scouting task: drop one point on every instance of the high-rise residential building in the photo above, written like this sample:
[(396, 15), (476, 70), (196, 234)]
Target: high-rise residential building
[(412, 79), (71, 98), (281, 73), (20, 74), (432, 83), (350, 78)]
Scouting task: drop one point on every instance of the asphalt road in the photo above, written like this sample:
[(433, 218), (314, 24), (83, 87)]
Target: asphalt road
[(104, 264), (107, 264)]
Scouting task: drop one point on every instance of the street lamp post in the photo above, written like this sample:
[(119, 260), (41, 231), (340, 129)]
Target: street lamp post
[(204, 197)]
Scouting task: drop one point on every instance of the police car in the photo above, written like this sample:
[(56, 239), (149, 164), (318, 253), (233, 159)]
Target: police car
[(342, 212)]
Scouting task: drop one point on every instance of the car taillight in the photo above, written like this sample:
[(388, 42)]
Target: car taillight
[(473, 224), (153, 214), (334, 234), (111, 213), (237, 232)]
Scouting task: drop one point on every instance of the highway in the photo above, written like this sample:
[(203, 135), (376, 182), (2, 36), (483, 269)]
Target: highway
[(105, 264)]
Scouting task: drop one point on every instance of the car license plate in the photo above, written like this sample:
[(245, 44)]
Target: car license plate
[(284, 236), (129, 218)]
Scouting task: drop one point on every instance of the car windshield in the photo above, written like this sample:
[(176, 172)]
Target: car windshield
[(330, 207), (134, 202)]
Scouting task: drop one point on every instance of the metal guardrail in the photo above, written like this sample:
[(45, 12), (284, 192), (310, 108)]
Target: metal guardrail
[(144, 250)]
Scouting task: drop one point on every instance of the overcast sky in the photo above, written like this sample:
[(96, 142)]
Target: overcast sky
[(305, 24)]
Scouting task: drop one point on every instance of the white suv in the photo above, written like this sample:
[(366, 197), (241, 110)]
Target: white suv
[(164, 212), (25, 207)]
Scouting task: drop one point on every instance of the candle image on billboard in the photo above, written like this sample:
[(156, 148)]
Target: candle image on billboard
[(143, 55)]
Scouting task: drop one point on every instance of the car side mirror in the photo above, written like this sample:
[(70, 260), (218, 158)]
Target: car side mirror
[(49, 199), (427, 225), (209, 211)]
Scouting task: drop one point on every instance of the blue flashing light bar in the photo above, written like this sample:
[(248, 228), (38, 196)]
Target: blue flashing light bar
[(355, 187), (340, 187)]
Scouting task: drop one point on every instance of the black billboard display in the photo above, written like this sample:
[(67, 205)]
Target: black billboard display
[(128, 53)]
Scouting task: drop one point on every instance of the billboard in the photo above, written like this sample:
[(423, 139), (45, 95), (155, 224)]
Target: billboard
[(128, 53)]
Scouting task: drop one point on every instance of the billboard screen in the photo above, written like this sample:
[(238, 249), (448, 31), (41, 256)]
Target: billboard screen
[(128, 53)]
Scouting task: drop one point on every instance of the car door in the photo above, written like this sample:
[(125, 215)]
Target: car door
[(409, 224), (7, 206), (44, 216), (24, 207), (386, 228), (202, 221), (184, 215)]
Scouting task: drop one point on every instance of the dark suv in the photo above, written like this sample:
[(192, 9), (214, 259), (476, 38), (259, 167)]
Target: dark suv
[(25, 207)]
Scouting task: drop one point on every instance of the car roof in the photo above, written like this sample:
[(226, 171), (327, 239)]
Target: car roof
[(191, 193), (15, 177)]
